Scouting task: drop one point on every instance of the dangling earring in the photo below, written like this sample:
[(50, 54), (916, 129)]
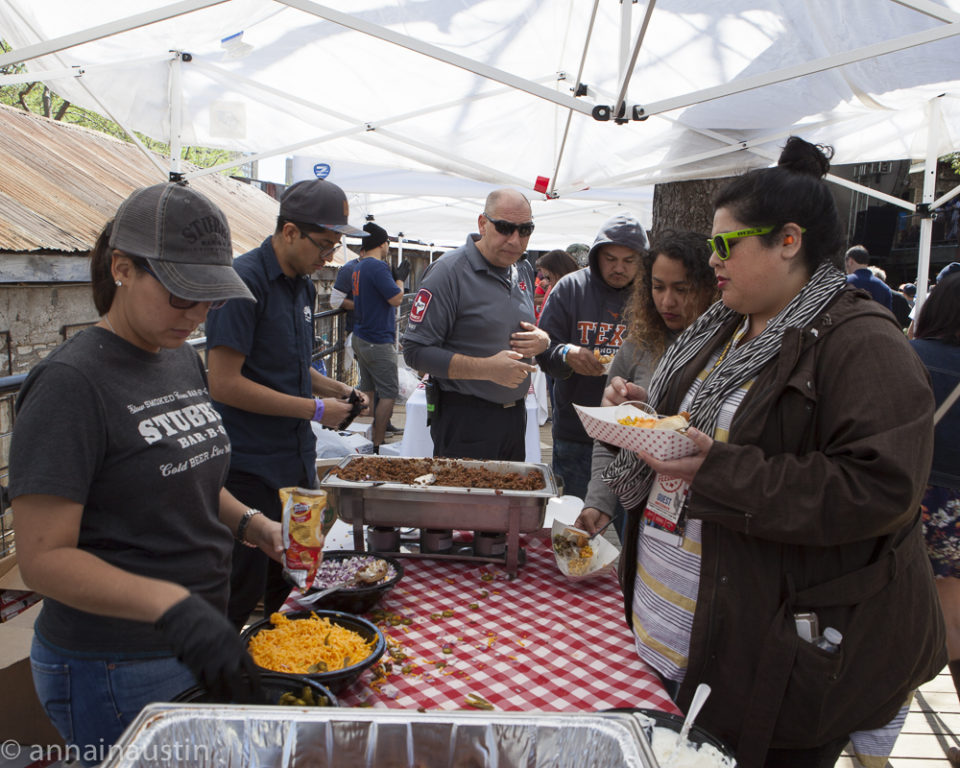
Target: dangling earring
[(118, 283)]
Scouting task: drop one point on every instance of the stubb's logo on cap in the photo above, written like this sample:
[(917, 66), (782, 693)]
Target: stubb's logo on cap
[(420, 303), (321, 170), (206, 230)]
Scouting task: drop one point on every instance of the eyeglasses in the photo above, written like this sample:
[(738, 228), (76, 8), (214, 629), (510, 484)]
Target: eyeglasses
[(176, 302), (324, 246), (720, 244), (507, 228)]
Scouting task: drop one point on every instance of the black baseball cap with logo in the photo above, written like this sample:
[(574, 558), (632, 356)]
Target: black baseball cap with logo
[(318, 202), (186, 239)]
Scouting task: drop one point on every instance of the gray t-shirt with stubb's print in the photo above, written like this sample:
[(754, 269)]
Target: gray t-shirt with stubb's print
[(133, 437)]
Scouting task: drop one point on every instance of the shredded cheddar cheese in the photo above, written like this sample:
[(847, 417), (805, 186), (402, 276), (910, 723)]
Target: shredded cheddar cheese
[(307, 646)]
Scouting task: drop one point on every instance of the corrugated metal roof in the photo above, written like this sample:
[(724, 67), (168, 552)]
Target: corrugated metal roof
[(59, 183)]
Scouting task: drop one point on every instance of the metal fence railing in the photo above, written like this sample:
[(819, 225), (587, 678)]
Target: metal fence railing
[(329, 335)]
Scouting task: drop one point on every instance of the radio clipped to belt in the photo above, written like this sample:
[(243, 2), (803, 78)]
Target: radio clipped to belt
[(432, 392)]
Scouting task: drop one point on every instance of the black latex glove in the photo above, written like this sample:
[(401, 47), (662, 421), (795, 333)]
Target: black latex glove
[(401, 271), (209, 645)]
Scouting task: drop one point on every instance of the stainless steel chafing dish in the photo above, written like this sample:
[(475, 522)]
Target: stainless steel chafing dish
[(195, 736), (436, 506)]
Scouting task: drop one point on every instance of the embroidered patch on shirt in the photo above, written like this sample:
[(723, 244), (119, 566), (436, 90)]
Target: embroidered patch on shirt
[(420, 303)]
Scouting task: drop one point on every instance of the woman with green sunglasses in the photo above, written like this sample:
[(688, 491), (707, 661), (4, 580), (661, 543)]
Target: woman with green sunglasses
[(798, 507)]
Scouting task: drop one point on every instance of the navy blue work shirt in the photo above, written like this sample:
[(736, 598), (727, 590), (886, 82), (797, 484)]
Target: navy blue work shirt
[(276, 337)]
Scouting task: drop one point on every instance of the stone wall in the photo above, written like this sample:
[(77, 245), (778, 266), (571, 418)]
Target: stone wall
[(34, 319)]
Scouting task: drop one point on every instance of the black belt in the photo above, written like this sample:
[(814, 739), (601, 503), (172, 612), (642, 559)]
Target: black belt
[(456, 398)]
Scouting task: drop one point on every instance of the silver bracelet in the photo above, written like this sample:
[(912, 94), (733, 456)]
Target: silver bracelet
[(242, 526)]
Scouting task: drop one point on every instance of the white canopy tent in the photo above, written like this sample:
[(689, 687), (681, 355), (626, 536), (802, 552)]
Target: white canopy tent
[(583, 103)]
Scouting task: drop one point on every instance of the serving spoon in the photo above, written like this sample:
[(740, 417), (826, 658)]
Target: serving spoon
[(696, 704)]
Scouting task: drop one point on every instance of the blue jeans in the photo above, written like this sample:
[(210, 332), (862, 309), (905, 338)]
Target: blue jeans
[(571, 465), (91, 701)]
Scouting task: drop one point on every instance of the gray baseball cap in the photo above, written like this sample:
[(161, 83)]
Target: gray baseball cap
[(186, 239), (318, 202)]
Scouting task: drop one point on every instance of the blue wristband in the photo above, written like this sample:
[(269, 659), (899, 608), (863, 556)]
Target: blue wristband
[(563, 354), (318, 411)]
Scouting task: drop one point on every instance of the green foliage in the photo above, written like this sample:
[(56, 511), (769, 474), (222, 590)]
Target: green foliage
[(37, 98)]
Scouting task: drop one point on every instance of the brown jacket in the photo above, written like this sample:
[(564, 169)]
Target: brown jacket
[(813, 505)]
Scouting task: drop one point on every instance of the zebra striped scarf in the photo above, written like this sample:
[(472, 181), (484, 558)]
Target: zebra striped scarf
[(627, 475)]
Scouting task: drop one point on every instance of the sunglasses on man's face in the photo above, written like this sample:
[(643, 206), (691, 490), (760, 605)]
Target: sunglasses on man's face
[(507, 228), (176, 302)]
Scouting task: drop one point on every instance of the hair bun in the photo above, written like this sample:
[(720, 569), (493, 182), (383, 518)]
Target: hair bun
[(803, 157)]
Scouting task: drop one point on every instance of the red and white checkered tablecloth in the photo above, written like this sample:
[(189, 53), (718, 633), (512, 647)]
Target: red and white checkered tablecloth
[(538, 642)]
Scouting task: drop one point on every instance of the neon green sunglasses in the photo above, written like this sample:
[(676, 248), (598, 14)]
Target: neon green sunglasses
[(720, 244)]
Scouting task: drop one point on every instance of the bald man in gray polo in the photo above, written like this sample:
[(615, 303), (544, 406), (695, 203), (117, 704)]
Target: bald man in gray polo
[(471, 327)]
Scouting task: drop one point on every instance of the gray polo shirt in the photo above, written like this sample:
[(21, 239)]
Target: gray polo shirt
[(467, 306)]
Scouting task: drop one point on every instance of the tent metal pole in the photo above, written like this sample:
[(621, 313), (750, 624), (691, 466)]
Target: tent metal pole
[(935, 10), (626, 22), (162, 13), (566, 128), (944, 199), (641, 34), (929, 190), (176, 114), (435, 52), (808, 68)]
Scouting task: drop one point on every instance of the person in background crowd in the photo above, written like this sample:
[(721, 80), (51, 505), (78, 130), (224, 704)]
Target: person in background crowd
[(859, 274), (122, 521), (677, 286), (909, 290), (583, 316), (551, 266), (800, 497), (376, 296), (471, 327), (898, 302), (261, 379), (937, 342), (341, 296), (951, 268)]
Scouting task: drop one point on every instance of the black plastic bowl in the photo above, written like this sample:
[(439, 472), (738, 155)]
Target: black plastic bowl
[(674, 722), (338, 679), (273, 684), (357, 599)]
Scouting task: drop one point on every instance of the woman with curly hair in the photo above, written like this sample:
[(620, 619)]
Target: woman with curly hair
[(677, 285)]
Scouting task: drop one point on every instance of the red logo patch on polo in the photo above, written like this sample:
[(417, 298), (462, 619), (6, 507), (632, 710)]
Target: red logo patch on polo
[(420, 303), (523, 285)]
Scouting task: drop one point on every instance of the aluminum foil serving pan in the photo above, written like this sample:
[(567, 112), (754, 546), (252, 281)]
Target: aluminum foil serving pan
[(194, 735), (427, 504)]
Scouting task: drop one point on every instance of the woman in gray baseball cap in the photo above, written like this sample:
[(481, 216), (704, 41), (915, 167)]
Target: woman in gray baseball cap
[(122, 522)]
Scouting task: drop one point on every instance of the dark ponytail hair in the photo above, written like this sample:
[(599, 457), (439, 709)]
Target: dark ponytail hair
[(101, 277), (793, 191)]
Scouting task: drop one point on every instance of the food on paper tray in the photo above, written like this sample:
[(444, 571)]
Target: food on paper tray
[(627, 426), (307, 645), (447, 472), (578, 555), (573, 546), (602, 359), (678, 423)]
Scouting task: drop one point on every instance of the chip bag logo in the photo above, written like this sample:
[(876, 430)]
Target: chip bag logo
[(420, 303)]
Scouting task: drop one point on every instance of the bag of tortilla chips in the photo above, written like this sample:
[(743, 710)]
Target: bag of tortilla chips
[(307, 518)]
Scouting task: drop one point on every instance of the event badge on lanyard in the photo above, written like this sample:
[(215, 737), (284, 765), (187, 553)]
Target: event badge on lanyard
[(665, 515)]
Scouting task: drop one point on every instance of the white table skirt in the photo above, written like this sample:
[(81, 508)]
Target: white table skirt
[(416, 434)]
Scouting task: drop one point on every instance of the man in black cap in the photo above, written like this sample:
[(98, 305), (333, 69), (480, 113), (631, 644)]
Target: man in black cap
[(261, 378), (376, 296)]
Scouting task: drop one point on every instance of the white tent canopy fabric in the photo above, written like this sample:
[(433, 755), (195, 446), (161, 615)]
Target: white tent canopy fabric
[(420, 107)]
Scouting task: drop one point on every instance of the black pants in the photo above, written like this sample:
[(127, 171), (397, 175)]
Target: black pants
[(254, 575), (467, 427)]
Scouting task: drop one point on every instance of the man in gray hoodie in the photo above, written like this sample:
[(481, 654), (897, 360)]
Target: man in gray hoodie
[(583, 316)]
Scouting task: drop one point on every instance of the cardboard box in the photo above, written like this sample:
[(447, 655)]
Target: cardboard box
[(22, 719)]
